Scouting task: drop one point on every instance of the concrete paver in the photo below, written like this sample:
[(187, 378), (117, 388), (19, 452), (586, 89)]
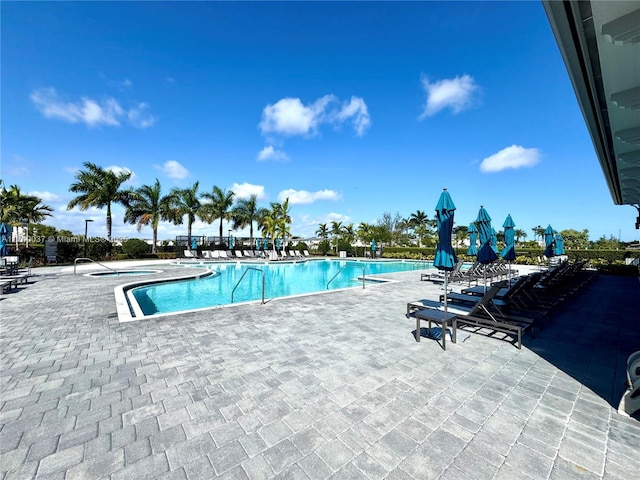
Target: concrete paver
[(321, 386)]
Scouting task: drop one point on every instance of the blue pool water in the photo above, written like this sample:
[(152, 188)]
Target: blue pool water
[(280, 280)]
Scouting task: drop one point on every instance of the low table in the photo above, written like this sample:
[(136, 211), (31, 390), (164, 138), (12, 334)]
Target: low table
[(437, 316)]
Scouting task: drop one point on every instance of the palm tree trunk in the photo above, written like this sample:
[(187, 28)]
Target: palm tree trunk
[(109, 222), (155, 240)]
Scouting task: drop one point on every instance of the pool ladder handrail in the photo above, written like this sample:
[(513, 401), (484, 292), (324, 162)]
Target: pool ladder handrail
[(75, 263), (242, 276), (338, 273)]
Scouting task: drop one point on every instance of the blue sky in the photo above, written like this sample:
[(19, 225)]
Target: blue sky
[(349, 109)]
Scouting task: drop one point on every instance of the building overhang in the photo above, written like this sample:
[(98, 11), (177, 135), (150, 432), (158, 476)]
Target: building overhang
[(600, 44)]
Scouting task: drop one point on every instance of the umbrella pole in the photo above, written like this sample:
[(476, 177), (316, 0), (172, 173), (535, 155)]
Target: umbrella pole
[(484, 275), (446, 279)]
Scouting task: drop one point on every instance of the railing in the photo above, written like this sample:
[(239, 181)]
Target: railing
[(340, 271), (75, 262), (242, 276)]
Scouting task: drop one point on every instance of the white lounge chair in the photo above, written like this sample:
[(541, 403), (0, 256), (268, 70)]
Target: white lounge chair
[(190, 254), (630, 402)]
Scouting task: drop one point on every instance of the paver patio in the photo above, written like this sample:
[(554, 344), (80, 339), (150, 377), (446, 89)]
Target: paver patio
[(321, 386)]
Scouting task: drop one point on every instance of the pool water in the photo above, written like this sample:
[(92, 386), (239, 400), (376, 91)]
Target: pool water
[(280, 280)]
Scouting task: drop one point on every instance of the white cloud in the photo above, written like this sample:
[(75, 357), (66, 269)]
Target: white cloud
[(91, 112), (138, 116), (356, 111), (270, 153), (514, 156), (173, 169), (454, 93), (335, 217), (245, 190), (118, 170), (46, 196), (290, 117), (303, 197)]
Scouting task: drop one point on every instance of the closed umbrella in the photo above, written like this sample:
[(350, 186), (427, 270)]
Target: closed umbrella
[(230, 242), (473, 238), (277, 244), (494, 240), (559, 248), (486, 254), (549, 240), (509, 250), (445, 258), (194, 243), (4, 237), (373, 247)]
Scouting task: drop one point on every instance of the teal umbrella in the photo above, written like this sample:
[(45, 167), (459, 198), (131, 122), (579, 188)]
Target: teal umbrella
[(266, 243), (445, 258), (277, 244), (549, 241), (486, 254), (509, 250), (4, 238), (373, 247), (494, 240), (559, 248), (194, 243), (230, 242), (473, 239)]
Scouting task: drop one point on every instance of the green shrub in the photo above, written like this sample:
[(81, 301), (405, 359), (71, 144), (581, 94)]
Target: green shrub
[(135, 248), (617, 269), (324, 247)]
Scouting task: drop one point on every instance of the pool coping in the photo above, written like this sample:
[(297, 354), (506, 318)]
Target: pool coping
[(125, 301)]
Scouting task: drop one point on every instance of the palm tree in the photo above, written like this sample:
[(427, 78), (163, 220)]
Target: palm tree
[(418, 222), (322, 231), (184, 202), (364, 232), (220, 206), (268, 224), (245, 213), (460, 233), (100, 188), (280, 212), (148, 207), (336, 231), (520, 234), (15, 207)]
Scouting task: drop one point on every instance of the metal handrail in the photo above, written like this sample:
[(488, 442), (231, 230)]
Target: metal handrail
[(338, 273), (242, 276), (75, 263)]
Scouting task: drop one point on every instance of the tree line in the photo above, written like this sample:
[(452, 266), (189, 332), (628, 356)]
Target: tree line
[(100, 188)]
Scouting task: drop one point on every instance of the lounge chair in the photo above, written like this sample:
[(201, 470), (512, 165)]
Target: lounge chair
[(306, 253), (190, 254), (480, 315), (238, 253), (439, 275), (630, 402)]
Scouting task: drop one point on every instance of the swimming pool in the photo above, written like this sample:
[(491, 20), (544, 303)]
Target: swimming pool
[(280, 280)]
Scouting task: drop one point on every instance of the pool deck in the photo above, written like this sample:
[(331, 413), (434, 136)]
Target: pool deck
[(322, 386)]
